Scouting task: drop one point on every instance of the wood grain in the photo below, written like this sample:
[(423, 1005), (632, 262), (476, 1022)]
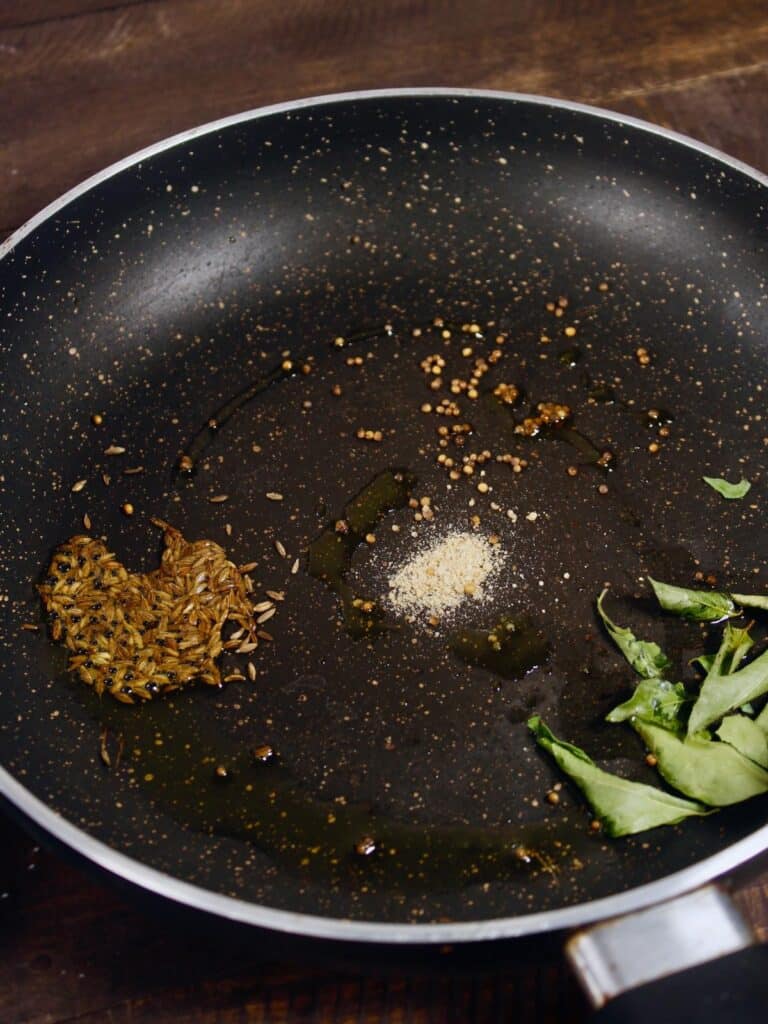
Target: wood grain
[(74, 950), (83, 90), (723, 110), (35, 12), (83, 83)]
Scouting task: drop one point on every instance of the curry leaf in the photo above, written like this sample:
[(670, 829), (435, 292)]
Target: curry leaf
[(624, 807), (711, 772), (746, 736), (737, 644), (699, 605), (704, 661), (762, 720), (723, 690), (752, 600), (645, 657), (655, 700), (728, 490)]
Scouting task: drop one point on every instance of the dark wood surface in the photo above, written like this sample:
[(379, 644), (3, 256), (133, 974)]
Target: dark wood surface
[(84, 82)]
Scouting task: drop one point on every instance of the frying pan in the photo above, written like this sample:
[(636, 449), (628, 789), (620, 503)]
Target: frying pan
[(163, 292)]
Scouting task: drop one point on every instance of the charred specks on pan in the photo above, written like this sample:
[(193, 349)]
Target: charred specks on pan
[(183, 296)]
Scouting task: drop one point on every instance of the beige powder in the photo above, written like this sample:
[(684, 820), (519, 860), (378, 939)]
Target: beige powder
[(457, 567)]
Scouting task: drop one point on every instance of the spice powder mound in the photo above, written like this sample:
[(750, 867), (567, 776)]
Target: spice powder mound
[(139, 635), (453, 568)]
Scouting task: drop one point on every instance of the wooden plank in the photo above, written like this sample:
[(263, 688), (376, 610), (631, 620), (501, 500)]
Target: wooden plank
[(752, 899), (35, 12), (75, 950), (727, 111), (83, 91)]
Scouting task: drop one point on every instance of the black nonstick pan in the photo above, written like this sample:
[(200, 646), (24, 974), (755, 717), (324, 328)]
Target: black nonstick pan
[(228, 313)]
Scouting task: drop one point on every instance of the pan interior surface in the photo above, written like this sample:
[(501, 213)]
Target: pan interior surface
[(395, 782)]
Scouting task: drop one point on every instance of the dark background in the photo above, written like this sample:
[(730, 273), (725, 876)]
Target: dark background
[(84, 82)]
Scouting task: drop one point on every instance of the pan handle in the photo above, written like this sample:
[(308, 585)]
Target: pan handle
[(693, 958)]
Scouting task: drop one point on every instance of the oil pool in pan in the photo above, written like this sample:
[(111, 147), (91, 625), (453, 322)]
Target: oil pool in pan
[(472, 452), (481, 441)]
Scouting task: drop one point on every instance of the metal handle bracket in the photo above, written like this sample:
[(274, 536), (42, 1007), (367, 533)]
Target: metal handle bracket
[(625, 952)]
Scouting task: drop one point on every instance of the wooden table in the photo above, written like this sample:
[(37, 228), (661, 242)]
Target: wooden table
[(87, 81)]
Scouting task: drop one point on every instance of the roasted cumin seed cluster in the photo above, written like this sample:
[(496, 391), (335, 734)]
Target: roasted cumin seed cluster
[(139, 635)]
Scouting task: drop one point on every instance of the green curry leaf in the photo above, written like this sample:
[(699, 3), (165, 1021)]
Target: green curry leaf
[(699, 605), (746, 736), (624, 807), (752, 600), (654, 700), (727, 490), (645, 657), (711, 772), (738, 643), (723, 689)]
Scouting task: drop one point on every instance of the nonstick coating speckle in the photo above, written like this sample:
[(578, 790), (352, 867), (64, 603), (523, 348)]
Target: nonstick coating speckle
[(162, 292)]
